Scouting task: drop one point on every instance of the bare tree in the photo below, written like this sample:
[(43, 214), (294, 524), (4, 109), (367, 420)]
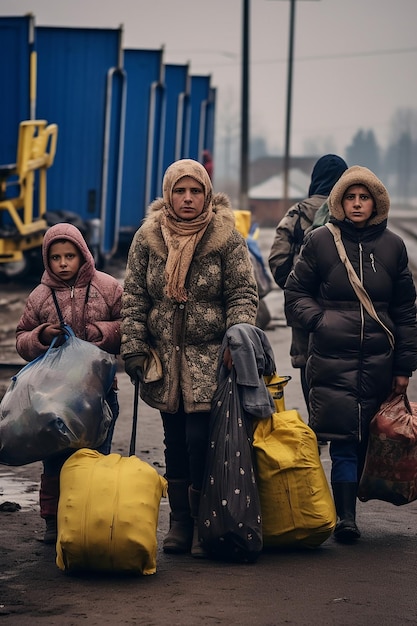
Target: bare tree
[(401, 155)]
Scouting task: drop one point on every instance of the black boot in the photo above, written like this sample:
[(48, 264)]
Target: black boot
[(197, 550), (48, 502), (180, 534), (51, 532), (344, 495)]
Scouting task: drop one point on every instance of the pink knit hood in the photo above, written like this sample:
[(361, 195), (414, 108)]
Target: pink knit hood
[(72, 234)]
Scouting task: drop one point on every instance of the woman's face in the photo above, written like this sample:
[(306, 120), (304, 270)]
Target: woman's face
[(188, 198), (358, 205)]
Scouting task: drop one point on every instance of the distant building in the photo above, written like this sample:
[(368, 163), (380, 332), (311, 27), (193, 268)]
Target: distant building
[(267, 190), (263, 168)]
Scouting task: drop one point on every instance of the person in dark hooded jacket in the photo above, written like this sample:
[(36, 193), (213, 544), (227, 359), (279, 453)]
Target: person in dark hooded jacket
[(351, 366), (289, 236), (90, 303)]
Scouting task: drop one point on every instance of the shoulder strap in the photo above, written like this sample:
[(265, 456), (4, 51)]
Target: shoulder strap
[(58, 310), (355, 281)]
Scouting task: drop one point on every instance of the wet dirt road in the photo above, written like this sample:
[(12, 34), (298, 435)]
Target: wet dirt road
[(371, 583)]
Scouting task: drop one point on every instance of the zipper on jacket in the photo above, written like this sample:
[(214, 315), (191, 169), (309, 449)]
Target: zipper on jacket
[(360, 422), (360, 262), (72, 291), (371, 256)]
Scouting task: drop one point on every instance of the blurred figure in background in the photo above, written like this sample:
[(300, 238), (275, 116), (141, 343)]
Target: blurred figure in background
[(243, 224), (289, 236), (208, 163)]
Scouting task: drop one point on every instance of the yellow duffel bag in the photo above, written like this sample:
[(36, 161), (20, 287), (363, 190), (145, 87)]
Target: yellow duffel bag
[(108, 513), (296, 502)]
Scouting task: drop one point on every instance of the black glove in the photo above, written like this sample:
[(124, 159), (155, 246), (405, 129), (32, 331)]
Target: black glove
[(134, 365)]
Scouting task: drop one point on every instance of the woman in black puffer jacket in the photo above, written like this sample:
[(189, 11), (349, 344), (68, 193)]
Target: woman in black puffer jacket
[(351, 366)]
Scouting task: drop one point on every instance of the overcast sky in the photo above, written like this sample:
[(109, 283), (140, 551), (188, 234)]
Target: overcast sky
[(355, 61)]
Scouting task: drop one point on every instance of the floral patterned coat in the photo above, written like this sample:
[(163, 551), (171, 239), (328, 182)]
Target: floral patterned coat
[(186, 336)]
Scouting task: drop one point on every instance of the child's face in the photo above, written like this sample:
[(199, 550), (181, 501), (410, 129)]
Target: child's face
[(64, 260)]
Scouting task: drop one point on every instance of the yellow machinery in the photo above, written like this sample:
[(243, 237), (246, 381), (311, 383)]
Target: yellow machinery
[(21, 230)]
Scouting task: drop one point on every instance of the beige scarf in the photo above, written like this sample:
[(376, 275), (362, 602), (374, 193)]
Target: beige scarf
[(181, 236)]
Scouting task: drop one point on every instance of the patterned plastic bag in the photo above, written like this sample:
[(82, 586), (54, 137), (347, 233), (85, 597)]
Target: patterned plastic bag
[(230, 514), (390, 471)]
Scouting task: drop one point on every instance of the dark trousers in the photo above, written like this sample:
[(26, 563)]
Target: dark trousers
[(186, 437)]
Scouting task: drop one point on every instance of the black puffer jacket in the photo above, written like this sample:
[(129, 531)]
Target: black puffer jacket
[(351, 365)]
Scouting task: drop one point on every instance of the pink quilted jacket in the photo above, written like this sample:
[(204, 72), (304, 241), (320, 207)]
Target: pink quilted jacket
[(91, 307)]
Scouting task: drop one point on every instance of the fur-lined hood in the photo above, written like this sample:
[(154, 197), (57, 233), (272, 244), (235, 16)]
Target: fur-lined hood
[(220, 227), (358, 175)]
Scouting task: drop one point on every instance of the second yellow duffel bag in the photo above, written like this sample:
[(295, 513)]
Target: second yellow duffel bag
[(296, 502)]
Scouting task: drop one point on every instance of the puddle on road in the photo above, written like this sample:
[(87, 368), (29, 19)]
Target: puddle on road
[(14, 488)]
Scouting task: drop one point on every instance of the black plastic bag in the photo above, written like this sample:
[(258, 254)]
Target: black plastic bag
[(56, 402), (229, 523)]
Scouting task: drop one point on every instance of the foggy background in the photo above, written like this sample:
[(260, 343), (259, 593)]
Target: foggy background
[(354, 72)]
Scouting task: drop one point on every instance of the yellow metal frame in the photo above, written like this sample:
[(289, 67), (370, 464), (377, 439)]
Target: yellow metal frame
[(35, 155)]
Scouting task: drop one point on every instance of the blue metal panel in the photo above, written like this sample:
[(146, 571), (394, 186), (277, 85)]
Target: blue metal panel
[(144, 93), (186, 127), (16, 36), (200, 91), (113, 161), (156, 142), (210, 126), (73, 65), (177, 95)]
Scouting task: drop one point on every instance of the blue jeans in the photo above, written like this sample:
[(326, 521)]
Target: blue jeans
[(347, 461)]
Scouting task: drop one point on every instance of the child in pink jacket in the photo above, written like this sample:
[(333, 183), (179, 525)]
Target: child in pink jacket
[(71, 290)]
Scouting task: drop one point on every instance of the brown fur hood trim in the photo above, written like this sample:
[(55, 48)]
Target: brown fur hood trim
[(357, 175), (220, 227)]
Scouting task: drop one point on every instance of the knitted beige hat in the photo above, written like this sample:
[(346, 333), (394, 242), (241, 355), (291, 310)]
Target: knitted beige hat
[(358, 175)]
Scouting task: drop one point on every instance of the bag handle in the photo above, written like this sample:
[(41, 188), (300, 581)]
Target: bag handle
[(394, 398), (68, 332), (356, 283), (58, 309), (135, 420)]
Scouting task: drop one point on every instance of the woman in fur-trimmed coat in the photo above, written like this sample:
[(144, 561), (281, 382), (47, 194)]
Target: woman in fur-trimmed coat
[(351, 367), (188, 279)]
